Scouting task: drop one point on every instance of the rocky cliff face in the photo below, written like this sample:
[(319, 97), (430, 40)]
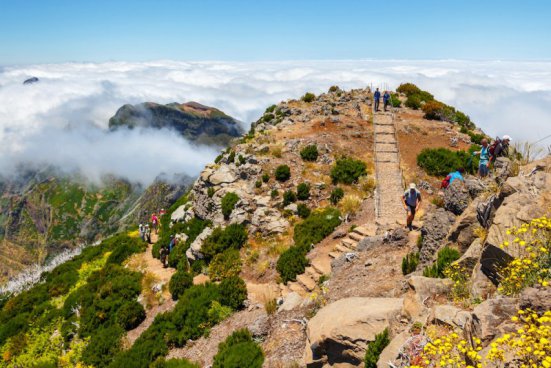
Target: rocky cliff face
[(195, 122)]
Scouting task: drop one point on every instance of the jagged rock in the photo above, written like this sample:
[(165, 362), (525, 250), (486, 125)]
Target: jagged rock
[(391, 351), (194, 251), (422, 290), (450, 315), (292, 207), (260, 327), (537, 299), (339, 332), (485, 210), (470, 258), (503, 167), (434, 230), (481, 286), (181, 214), (223, 175), (456, 197), (263, 201), (488, 315), (369, 242), (475, 186), (398, 237), (462, 231), (268, 221), (291, 301), (181, 238), (339, 234), (263, 149)]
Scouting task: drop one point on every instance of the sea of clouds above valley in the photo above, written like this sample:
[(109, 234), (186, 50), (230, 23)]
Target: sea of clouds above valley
[(63, 119)]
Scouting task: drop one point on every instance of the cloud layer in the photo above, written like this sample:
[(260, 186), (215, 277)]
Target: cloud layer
[(63, 119)]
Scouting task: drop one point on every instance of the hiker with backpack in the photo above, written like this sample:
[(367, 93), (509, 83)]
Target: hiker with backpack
[(386, 100), (500, 148), (453, 176), (141, 231), (484, 165), (163, 256), (411, 201), (172, 244), (147, 234), (376, 98), (155, 222)]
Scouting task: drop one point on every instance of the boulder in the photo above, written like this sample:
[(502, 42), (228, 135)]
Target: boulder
[(537, 299), (260, 327), (182, 214), (488, 315), (422, 290), (470, 258), (434, 231), (450, 315), (291, 301), (475, 186), (390, 353), (369, 242), (456, 197), (339, 332), (223, 175), (462, 231), (194, 251), (503, 169), (268, 221), (481, 286)]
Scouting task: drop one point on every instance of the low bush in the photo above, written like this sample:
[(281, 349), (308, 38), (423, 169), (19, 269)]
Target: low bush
[(434, 110), (126, 246), (173, 363), (291, 263), (394, 100), (303, 191), (218, 312), (375, 348), (231, 157), (408, 89), (442, 161), (225, 264), (179, 283), (238, 351), (265, 177), (308, 97), (130, 315), (289, 197), (350, 204), (336, 195), (303, 211), (231, 237), (210, 192), (316, 227), (274, 193), (258, 184), (233, 292), (413, 102), (347, 171), (270, 109), (309, 153), (445, 257), (103, 345), (333, 89), (410, 262), (282, 173), (228, 204)]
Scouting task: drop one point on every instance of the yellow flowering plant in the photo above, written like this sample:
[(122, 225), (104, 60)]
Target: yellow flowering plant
[(530, 245)]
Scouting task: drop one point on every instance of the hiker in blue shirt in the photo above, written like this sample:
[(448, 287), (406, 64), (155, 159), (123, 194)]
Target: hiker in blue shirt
[(376, 98), (411, 201), (386, 100), (484, 166), (457, 175)]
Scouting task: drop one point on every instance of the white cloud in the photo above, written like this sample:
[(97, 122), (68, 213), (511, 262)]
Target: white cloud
[(63, 118)]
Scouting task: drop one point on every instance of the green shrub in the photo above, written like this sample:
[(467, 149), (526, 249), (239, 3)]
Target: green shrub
[(394, 100), (130, 315), (225, 264), (309, 153), (228, 204), (270, 108), (258, 184), (410, 262), (232, 237), (303, 191), (308, 97), (210, 192), (179, 283), (218, 312), (464, 120), (265, 177), (233, 292), (375, 348), (126, 246), (274, 193), (434, 110), (442, 161), (291, 263), (336, 195), (413, 102), (289, 197), (241, 160), (347, 170), (239, 351), (231, 157), (408, 89), (445, 257), (333, 89), (303, 211), (173, 363), (103, 345), (282, 173), (268, 117), (316, 227)]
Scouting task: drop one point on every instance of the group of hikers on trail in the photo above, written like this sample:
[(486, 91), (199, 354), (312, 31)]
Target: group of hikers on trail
[(377, 97), (411, 198), (145, 235)]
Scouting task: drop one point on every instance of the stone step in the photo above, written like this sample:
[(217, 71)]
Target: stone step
[(349, 243), (355, 236), (334, 254), (366, 230), (307, 282), (284, 289), (311, 271), (297, 288), (341, 248), (322, 265)]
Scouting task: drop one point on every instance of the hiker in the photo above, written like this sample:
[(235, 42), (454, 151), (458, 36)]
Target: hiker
[(172, 244), (451, 177), (500, 148), (386, 100), (162, 212), (376, 98), (484, 165), (411, 200), (155, 222), (147, 234), (410, 352), (163, 256), (141, 230)]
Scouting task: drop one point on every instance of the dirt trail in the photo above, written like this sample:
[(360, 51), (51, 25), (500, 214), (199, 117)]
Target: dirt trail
[(155, 295)]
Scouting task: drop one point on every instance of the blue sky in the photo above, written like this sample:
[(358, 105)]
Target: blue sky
[(43, 31)]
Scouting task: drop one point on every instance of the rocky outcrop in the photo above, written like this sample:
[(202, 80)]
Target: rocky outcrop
[(339, 332), (536, 298), (456, 197), (194, 251), (434, 231), (490, 314), (463, 230), (421, 294)]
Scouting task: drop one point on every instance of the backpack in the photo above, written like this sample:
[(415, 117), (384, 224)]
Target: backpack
[(493, 146), (446, 182)]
